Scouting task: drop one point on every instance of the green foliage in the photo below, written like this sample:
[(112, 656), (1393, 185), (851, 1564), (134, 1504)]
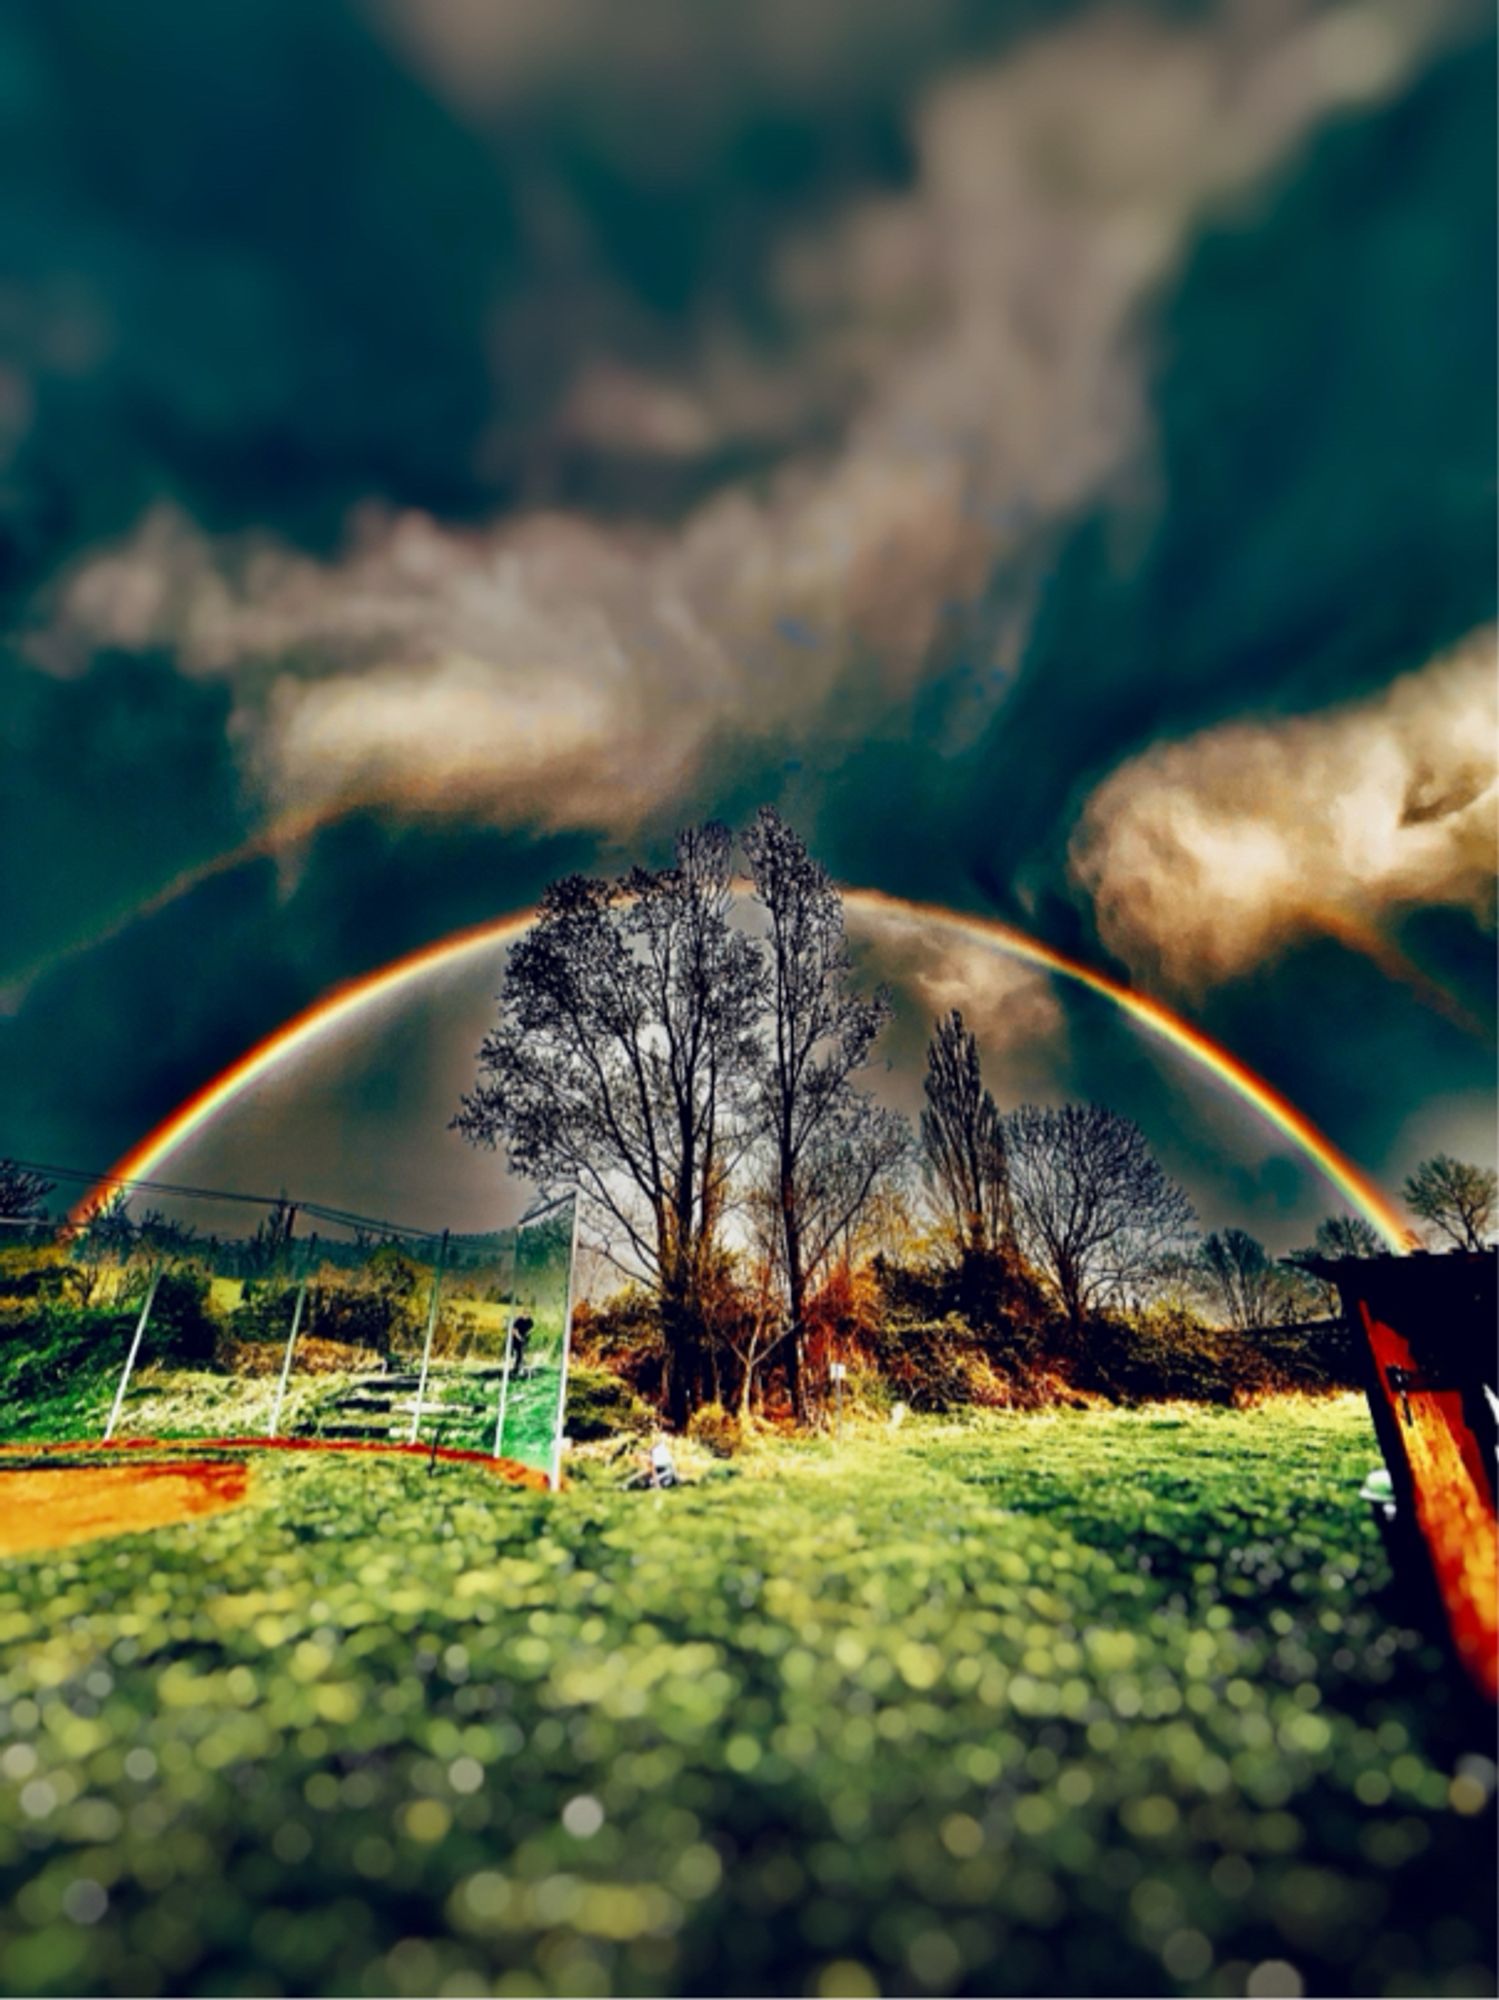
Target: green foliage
[(377, 1309), (949, 1336), (58, 1355), (928, 1362), (716, 1429), (40, 1271), (1164, 1351), (181, 1327), (1089, 1703), (624, 1335), (59, 1361), (600, 1405), (265, 1310)]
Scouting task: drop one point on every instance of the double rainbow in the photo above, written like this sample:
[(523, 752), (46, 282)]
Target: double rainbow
[(334, 1009)]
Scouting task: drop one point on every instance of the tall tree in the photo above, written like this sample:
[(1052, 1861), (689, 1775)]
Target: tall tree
[(962, 1139), (23, 1193), (1455, 1198), (820, 1032), (623, 1063), (1094, 1210)]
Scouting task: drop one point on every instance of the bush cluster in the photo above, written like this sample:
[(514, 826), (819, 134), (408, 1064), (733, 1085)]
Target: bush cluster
[(937, 1333), (600, 1405), (1166, 1352), (51, 1347), (716, 1429)]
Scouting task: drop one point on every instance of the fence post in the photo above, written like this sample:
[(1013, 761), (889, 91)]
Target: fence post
[(135, 1348), (499, 1422), (421, 1387), (567, 1335), (291, 1343)]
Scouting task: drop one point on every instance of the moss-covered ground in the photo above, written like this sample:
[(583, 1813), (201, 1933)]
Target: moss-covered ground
[(1084, 1703)]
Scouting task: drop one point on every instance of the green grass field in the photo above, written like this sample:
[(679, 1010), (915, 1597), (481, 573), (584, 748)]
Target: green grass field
[(1088, 1703)]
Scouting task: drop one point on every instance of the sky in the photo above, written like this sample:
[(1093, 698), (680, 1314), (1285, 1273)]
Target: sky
[(1045, 449)]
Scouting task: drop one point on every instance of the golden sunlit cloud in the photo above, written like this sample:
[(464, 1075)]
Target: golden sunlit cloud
[(1206, 857)]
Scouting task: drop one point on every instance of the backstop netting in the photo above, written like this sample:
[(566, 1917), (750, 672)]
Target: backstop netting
[(206, 1317)]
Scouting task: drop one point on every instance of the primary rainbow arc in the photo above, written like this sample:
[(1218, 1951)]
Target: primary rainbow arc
[(335, 1008)]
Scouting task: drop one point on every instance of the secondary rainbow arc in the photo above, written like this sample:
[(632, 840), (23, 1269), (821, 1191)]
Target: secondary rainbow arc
[(337, 1007)]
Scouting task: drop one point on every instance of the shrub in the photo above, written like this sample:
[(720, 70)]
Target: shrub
[(624, 1336), (53, 1352), (716, 1429), (181, 1328), (264, 1311), (600, 1405), (365, 1310), (1164, 1351), (49, 1349), (943, 1364), (970, 1332), (39, 1271)]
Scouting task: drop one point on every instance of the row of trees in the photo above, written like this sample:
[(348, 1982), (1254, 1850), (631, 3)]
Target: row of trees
[(701, 1072), (676, 1067)]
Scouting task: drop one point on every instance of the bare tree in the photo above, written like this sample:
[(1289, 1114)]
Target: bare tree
[(1240, 1277), (962, 1138), (1094, 1210), (1347, 1236), (1455, 1199), (823, 1139), (1336, 1236), (103, 1245), (858, 1156), (623, 1062), (23, 1193), (757, 1330)]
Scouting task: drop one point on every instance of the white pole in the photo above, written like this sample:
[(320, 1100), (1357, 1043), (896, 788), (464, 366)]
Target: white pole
[(135, 1348), (499, 1422), (291, 1343), (567, 1334), (421, 1387)]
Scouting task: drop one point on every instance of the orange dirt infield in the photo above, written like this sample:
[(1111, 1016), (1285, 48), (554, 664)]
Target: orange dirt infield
[(508, 1469), (47, 1506), (79, 1503)]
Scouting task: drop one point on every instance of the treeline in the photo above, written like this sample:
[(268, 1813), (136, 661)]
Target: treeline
[(702, 1072)]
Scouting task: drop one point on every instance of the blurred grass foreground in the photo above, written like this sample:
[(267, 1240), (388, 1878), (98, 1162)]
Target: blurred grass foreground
[(1090, 1702)]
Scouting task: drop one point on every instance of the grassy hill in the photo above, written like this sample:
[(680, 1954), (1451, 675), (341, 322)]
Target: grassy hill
[(1082, 1703)]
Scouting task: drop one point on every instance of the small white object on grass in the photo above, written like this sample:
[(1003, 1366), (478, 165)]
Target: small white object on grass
[(898, 1415)]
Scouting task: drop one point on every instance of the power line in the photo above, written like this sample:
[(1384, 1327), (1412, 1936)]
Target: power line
[(344, 1218), (321, 1211)]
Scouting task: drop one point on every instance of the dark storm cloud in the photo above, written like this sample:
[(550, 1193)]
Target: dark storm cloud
[(519, 438), (258, 262), (547, 664), (1323, 413), (104, 783), (110, 1041)]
